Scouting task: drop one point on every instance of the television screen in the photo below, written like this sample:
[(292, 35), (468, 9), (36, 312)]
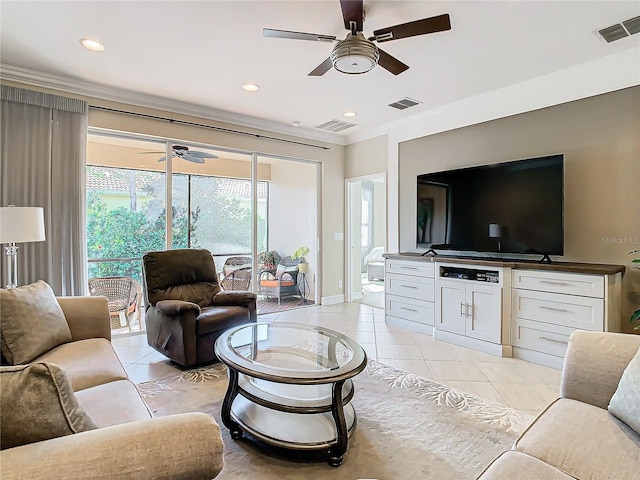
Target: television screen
[(511, 207)]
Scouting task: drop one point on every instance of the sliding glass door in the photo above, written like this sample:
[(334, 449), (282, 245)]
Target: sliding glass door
[(238, 205), (292, 228), (212, 202)]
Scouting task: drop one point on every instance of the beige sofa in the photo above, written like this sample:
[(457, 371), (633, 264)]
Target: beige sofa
[(576, 437), (128, 442)]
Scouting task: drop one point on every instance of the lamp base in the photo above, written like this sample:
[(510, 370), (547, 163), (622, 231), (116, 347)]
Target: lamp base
[(12, 265)]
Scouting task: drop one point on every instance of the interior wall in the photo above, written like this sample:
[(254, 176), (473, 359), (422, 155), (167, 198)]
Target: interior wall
[(600, 139), (331, 156), (367, 157)]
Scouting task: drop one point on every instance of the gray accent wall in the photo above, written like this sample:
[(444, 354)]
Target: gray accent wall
[(600, 139)]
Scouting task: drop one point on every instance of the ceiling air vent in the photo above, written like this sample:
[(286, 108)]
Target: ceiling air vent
[(405, 103), (632, 25), (335, 125), (620, 30)]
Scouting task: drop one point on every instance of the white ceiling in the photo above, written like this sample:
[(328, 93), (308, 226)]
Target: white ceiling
[(202, 52)]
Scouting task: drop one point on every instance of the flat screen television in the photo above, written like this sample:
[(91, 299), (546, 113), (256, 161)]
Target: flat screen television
[(505, 208)]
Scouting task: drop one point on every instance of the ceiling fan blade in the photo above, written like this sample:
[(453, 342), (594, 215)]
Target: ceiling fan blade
[(162, 159), (321, 69), (353, 11), (411, 29), (196, 153), (191, 158), (316, 37), (156, 152), (391, 63)]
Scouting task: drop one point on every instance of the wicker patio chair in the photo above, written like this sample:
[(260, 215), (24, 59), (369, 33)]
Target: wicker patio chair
[(236, 273), (122, 295), (281, 283)]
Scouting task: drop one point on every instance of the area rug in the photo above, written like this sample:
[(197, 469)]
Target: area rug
[(408, 428)]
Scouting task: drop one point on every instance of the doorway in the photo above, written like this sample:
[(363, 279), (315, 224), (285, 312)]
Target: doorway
[(366, 239)]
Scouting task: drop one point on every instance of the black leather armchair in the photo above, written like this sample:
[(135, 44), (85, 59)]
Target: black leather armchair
[(186, 310)]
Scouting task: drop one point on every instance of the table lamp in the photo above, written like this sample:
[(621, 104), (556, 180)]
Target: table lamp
[(496, 231), (19, 225)]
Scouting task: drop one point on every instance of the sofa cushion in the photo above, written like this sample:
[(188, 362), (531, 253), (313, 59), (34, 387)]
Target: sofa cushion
[(625, 403), (512, 465), (37, 403), (113, 403), (87, 363), (32, 322), (583, 441), (277, 283)]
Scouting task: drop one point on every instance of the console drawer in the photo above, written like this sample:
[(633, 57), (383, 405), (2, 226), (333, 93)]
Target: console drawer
[(565, 310), (540, 337), (419, 288), (423, 269), (555, 282), (414, 310)]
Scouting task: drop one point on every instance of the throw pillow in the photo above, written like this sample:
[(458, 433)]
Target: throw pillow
[(625, 403), (32, 322), (37, 403)]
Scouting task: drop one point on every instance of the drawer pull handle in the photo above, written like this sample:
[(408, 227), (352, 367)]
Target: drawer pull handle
[(562, 310), (409, 268), (563, 342), (409, 309), (409, 286), (560, 284)]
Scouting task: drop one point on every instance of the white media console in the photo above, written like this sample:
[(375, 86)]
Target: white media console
[(507, 308)]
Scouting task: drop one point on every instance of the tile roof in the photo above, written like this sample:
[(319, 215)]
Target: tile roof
[(117, 180)]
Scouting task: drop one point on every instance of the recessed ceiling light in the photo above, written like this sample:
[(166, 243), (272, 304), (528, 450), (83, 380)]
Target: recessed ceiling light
[(250, 87), (92, 44), (350, 114), (297, 123)]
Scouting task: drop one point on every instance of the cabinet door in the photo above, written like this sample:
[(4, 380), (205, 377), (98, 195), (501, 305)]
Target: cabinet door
[(450, 306), (484, 312)]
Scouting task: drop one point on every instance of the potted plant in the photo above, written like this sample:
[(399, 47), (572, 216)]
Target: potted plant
[(635, 316), (268, 259), (303, 266)]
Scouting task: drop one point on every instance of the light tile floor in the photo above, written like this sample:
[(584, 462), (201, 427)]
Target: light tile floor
[(521, 385)]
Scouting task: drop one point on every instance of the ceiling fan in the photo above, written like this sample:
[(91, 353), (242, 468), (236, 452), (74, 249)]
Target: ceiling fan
[(183, 152), (357, 54)]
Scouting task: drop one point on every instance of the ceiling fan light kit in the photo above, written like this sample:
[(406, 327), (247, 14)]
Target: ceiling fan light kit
[(355, 55)]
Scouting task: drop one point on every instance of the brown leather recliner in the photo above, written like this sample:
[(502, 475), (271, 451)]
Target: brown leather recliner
[(186, 310)]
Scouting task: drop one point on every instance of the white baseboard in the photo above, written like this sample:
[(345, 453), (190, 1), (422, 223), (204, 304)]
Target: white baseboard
[(474, 344), (537, 357), (408, 324), (332, 300)]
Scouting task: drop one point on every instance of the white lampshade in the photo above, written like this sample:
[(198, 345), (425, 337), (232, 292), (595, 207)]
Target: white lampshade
[(21, 224)]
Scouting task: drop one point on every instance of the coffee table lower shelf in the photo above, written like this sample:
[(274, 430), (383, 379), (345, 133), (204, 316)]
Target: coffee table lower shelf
[(296, 431)]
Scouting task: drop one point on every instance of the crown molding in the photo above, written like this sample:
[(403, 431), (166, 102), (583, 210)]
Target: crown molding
[(33, 78)]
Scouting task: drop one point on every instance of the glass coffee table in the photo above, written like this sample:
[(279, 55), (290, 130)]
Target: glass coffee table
[(290, 385)]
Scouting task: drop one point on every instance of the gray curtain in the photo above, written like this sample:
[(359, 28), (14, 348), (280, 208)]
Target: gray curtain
[(42, 164)]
